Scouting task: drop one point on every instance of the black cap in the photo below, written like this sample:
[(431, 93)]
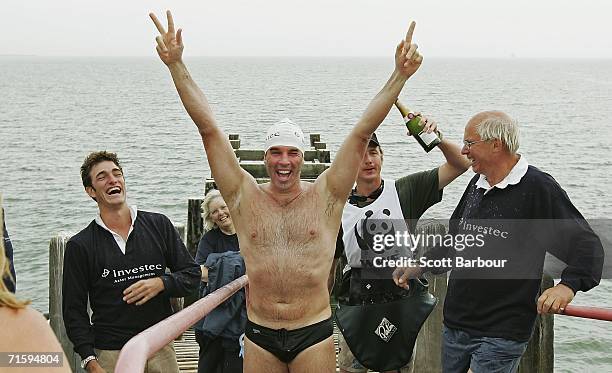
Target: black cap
[(374, 140)]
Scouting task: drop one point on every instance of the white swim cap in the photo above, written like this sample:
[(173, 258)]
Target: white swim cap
[(285, 133)]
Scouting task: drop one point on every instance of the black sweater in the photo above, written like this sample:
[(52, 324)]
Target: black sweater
[(95, 266), (529, 218)]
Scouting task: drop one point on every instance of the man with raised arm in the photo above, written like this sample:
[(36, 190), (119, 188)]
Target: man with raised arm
[(287, 228), (376, 200)]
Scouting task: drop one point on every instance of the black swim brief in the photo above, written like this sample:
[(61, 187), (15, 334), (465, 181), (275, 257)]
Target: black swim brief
[(287, 344)]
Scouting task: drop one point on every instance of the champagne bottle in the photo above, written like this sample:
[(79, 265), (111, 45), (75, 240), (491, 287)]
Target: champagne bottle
[(427, 140)]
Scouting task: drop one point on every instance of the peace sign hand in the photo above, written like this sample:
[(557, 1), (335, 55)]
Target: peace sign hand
[(169, 44), (407, 59)]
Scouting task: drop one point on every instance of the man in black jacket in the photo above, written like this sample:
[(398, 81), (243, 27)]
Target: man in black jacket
[(513, 213), (119, 262)]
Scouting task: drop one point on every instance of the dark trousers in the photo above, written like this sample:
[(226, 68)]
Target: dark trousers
[(218, 355)]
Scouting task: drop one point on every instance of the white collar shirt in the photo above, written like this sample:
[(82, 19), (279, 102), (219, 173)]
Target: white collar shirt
[(514, 176), (120, 241)]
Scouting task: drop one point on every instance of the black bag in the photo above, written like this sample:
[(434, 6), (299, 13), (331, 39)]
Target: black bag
[(382, 336)]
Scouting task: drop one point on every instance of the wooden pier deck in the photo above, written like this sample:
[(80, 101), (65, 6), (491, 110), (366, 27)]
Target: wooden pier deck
[(187, 352)]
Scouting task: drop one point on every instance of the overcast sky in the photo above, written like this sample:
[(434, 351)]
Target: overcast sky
[(450, 28)]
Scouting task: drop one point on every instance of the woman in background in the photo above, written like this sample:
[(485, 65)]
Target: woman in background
[(218, 248)]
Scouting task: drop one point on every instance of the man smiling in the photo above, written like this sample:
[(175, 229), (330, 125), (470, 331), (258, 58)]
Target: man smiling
[(286, 228), (119, 262), (489, 313), (404, 199), (284, 151)]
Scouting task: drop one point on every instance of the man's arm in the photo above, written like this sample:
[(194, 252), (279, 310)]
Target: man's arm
[(341, 175), (438, 252), (575, 243), (456, 163), (224, 166), (584, 258), (185, 273), (204, 277)]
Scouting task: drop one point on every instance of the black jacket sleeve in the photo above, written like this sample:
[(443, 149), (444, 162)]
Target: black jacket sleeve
[(185, 275), (74, 302), (574, 242), (8, 248)]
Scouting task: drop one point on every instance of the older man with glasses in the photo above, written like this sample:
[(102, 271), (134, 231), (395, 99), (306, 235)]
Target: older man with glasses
[(489, 313)]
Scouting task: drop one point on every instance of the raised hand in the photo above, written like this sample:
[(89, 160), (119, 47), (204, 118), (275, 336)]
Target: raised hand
[(170, 43), (407, 59)]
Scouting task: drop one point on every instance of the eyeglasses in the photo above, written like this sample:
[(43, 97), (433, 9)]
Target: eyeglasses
[(468, 144)]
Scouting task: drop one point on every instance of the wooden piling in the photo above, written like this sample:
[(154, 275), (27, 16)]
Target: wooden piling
[(234, 140), (57, 247), (195, 224), (540, 355), (310, 155), (319, 145), (194, 231), (429, 342), (314, 137)]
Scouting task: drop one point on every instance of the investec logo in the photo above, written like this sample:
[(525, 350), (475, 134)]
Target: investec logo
[(143, 271)]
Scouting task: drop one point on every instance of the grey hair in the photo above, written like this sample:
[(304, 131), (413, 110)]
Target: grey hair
[(208, 223), (500, 127)]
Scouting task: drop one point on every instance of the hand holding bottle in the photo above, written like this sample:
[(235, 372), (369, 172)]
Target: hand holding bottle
[(407, 58), (424, 130), (429, 125)]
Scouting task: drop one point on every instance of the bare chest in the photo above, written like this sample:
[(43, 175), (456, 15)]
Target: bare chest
[(297, 227)]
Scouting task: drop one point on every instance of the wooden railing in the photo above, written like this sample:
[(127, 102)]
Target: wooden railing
[(144, 345)]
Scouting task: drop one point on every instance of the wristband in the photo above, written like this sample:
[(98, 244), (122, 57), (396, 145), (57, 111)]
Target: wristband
[(85, 361)]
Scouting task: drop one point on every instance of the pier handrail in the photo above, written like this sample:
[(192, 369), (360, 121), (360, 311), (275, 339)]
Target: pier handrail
[(134, 355), (595, 313)]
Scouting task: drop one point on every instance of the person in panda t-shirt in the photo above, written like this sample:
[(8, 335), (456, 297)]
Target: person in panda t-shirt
[(400, 201)]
